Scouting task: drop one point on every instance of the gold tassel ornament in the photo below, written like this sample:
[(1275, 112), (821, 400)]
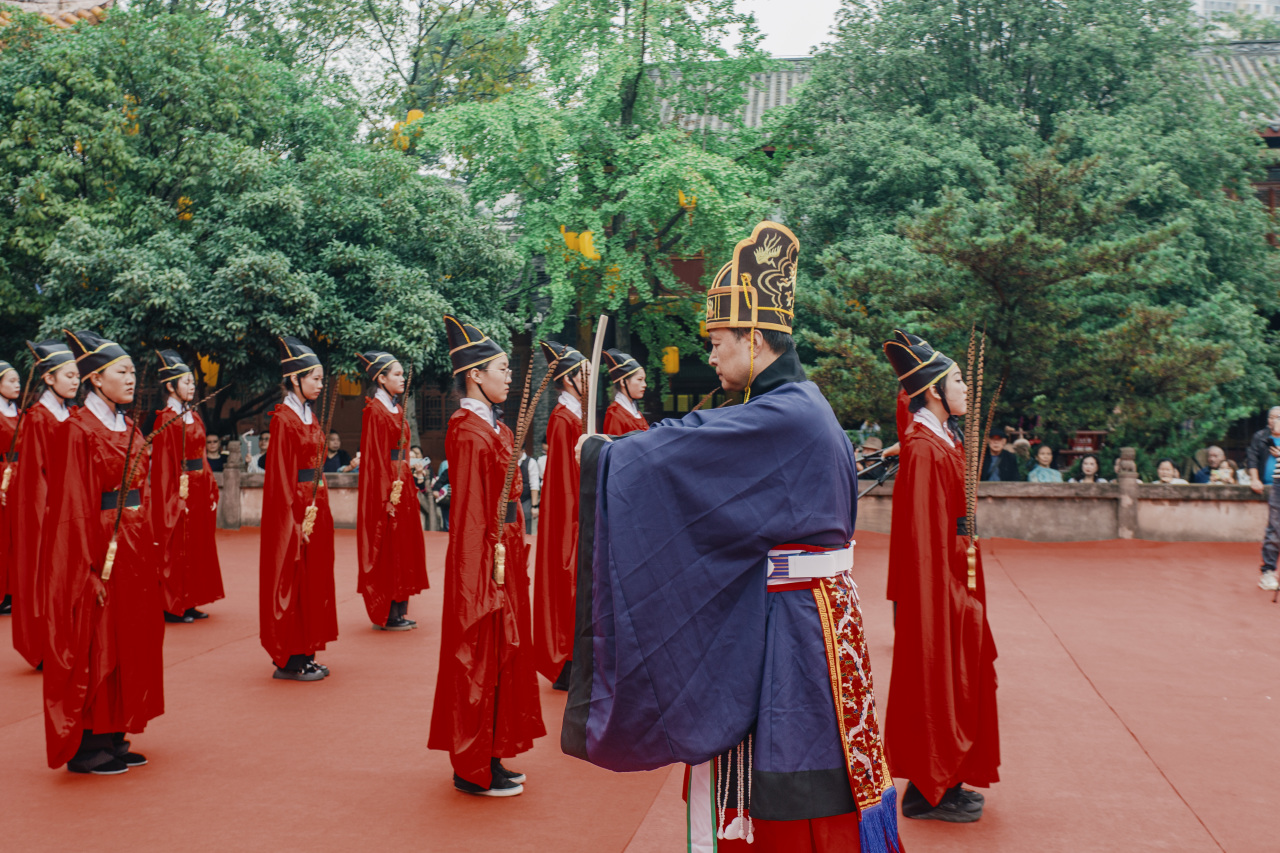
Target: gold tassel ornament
[(973, 566), (499, 564), (4, 483), (396, 488), (309, 520), (184, 486)]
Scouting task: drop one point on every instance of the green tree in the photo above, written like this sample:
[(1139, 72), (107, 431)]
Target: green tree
[(172, 188), (598, 148), (1065, 181)]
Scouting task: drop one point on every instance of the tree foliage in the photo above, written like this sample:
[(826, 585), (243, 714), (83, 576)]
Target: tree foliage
[(1056, 174), (170, 187)]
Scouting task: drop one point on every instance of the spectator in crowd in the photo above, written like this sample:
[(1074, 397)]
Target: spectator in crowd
[(532, 494), (440, 488), (1227, 474), (1167, 473), (213, 452), (337, 460), (1022, 450), (1044, 472), (540, 456), (1214, 457), (1261, 459), (871, 446), (255, 465), (420, 467), (999, 464), (1089, 469)]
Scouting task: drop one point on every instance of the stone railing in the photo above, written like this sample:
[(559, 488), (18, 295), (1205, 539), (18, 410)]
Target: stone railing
[(1125, 509)]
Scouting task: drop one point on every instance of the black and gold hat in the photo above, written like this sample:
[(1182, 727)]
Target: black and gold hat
[(50, 355), (296, 357), (374, 362), (620, 364), (5, 367), (570, 358), (757, 289), (917, 365), (468, 346), (172, 367), (93, 352)]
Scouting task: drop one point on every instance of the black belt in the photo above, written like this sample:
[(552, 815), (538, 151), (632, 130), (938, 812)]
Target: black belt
[(307, 475), (133, 500), (13, 457), (193, 464), (962, 526), (397, 455), (511, 513)]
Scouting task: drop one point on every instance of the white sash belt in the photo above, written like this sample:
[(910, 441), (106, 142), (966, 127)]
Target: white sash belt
[(789, 564)]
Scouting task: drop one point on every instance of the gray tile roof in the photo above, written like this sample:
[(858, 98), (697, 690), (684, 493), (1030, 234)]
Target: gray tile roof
[(1241, 64), (768, 90)]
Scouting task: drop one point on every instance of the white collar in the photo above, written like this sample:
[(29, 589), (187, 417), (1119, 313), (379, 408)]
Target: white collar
[(483, 410), (113, 421), (175, 405), (301, 409), (383, 397), (55, 404), (570, 402), (929, 419), (8, 408), (626, 403)]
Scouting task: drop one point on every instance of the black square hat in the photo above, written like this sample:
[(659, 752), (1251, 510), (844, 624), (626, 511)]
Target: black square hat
[(50, 355), (621, 365), (374, 362), (468, 346), (172, 367), (569, 358), (757, 289), (917, 365), (92, 351), (296, 357)]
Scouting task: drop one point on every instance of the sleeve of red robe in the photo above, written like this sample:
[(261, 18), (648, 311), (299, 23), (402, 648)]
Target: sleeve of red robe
[(375, 491), (557, 552), (618, 421), (942, 690), (72, 554), (165, 505)]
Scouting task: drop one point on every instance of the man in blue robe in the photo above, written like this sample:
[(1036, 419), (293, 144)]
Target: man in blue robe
[(717, 619)]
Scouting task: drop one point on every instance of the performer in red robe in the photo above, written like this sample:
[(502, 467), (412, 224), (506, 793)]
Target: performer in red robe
[(626, 374), (392, 552), (556, 560), (486, 704), (941, 726), (29, 492), (104, 635), (184, 500), (10, 390), (296, 603)]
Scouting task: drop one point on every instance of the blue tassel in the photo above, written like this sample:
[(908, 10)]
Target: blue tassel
[(878, 825)]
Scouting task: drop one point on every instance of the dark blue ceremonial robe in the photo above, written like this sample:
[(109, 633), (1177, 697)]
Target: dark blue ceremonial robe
[(680, 651)]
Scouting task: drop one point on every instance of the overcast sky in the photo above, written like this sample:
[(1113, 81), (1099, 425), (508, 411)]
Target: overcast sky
[(793, 27)]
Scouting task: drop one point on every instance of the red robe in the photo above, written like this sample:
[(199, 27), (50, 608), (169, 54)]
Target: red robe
[(486, 702), (103, 663), (30, 504), (296, 603), (184, 529), (556, 560), (618, 421), (392, 551), (7, 427), (941, 727)]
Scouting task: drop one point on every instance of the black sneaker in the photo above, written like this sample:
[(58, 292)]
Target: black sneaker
[(133, 759), (195, 614), (173, 618), (98, 764), (321, 667), (409, 622), (500, 787), (953, 808), (394, 624), (973, 799), (496, 768), (310, 672), (6, 606)]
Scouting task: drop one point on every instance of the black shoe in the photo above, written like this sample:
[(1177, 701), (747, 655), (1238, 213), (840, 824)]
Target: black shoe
[(310, 672), (174, 618), (192, 613), (406, 620), (972, 799), (500, 787), (6, 606), (99, 763), (394, 624), (953, 808), (324, 669), (562, 683), (497, 770), (133, 759)]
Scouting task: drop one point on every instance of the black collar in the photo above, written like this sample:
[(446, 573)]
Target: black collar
[(786, 368)]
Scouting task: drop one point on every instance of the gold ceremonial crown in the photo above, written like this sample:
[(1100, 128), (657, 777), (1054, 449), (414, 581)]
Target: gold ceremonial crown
[(757, 289)]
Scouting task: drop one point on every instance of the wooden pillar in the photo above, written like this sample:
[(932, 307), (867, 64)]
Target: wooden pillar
[(1127, 510), (229, 500)]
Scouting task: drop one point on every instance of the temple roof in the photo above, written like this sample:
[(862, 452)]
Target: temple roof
[(61, 13)]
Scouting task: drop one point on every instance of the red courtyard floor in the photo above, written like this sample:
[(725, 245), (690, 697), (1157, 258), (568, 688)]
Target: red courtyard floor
[(1139, 699)]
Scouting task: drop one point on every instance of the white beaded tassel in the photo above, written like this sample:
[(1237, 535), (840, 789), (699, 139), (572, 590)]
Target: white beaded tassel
[(722, 800), (751, 834)]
